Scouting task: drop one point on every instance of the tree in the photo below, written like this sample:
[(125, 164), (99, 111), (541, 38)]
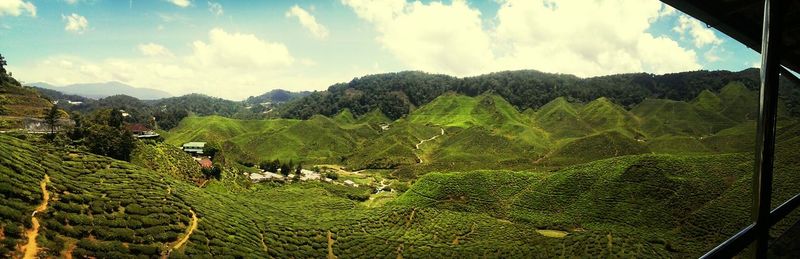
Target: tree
[(109, 141), (286, 168), (298, 172), (51, 119), (115, 118), (274, 166), (2, 65), (78, 131)]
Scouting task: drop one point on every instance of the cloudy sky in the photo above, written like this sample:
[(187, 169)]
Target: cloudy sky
[(234, 49)]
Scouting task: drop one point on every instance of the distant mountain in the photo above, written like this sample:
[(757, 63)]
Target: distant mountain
[(100, 90), (275, 96)]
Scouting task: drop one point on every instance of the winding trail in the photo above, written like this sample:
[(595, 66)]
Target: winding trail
[(330, 246), (31, 247), (426, 140), (185, 238), (419, 158)]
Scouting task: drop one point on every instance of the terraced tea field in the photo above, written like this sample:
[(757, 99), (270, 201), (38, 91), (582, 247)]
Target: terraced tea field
[(106, 208)]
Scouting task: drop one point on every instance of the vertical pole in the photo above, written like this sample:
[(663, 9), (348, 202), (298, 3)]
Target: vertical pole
[(765, 135)]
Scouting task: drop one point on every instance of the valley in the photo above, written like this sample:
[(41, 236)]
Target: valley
[(460, 176)]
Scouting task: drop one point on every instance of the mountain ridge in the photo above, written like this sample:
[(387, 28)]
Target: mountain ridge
[(105, 89)]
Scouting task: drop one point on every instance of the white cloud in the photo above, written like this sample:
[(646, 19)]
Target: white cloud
[(434, 37), (700, 35), (712, 55), (75, 23), (308, 21), (666, 10), (587, 38), (181, 3), (228, 65), (215, 8), (154, 50), (17, 8), (577, 37), (239, 50)]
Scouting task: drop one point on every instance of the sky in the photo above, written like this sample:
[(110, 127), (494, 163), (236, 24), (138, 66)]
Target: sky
[(235, 49)]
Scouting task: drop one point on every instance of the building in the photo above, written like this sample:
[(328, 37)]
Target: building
[(194, 147), (205, 162), (141, 131)]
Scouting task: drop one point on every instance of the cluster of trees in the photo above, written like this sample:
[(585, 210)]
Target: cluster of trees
[(275, 96), (396, 94), (158, 114), (103, 132), (285, 169), (3, 65)]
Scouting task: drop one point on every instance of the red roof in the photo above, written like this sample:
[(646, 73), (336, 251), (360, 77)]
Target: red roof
[(137, 127), (205, 163)]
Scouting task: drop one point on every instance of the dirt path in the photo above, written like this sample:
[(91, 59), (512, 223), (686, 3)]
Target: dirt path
[(330, 246), (432, 138), (458, 238), (185, 238), (31, 247), (419, 158)]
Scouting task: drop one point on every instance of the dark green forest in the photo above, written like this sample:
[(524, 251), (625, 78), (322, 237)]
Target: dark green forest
[(396, 94)]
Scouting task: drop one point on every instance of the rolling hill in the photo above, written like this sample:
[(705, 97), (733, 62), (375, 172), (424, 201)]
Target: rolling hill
[(458, 132), (101, 90), (19, 102), (459, 175)]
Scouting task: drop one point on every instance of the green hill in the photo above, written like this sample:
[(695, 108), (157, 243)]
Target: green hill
[(561, 119), (690, 203), (739, 103), (344, 117), (98, 207), (374, 117), (166, 159), (666, 117), (597, 146), (318, 139), (18, 102), (394, 147), (488, 111), (602, 114), (95, 206)]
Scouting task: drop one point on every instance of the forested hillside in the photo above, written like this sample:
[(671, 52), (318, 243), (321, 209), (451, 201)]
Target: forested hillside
[(397, 94)]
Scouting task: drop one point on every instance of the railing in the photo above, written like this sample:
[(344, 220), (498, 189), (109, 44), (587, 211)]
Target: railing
[(736, 243), (771, 70)]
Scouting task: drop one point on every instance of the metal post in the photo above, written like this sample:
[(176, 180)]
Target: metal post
[(765, 135)]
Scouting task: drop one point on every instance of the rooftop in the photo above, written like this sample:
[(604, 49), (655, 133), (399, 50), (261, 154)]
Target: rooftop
[(195, 144)]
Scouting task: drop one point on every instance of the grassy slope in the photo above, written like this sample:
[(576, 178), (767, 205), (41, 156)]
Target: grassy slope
[(485, 129), (166, 159), (96, 203), (318, 139), (487, 132), (18, 102), (666, 117), (690, 203), (602, 114), (108, 208), (561, 119)]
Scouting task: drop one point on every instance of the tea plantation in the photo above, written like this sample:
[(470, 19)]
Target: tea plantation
[(459, 177)]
